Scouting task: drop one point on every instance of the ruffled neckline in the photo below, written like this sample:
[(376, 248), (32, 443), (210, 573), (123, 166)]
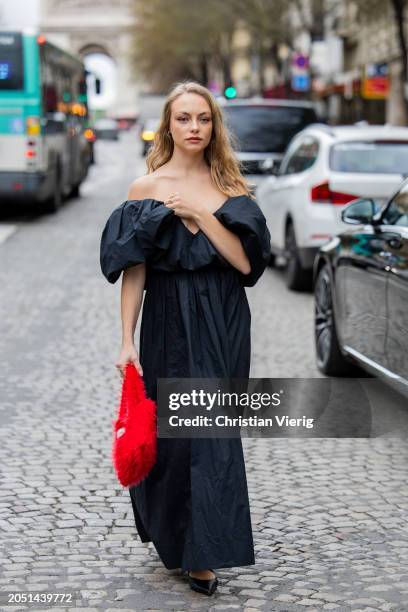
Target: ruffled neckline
[(199, 232), (147, 231)]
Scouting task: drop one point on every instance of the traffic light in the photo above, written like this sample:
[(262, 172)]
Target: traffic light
[(230, 92)]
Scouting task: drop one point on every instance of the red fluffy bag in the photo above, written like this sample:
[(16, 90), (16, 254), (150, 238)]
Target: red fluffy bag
[(134, 431)]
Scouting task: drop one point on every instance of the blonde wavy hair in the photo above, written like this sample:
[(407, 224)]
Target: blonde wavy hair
[(219, 155)]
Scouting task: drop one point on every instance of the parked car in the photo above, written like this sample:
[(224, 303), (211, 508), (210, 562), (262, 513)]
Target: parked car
[(106, 129), (361, 292), (324, 169), (147, 133), (125, 123), (262, 129)]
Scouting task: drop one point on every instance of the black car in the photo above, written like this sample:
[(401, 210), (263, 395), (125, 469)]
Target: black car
[(262, 129), (106, 129), (361, 292), (147, 133)]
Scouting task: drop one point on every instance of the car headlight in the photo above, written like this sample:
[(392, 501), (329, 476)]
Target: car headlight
[(148, 135)]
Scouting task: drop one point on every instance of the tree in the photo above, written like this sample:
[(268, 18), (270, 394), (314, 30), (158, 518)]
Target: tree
[(181, 38), (159, 52), (399, 8), (269, 24), (184, 38)]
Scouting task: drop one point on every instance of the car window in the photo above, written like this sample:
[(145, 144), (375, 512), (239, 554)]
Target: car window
[(302, 157), (373, 157), (397, 211), (266, 128), (293, 145)]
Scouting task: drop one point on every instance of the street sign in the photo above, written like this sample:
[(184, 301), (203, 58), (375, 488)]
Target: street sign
[(375, 83), (301, 82), (300, 61)]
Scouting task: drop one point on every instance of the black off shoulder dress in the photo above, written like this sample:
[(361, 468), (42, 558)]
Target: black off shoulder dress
[(195, 323)]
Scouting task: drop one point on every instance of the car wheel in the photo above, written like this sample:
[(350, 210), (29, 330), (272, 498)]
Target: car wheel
[(330, 360), (297, 278)]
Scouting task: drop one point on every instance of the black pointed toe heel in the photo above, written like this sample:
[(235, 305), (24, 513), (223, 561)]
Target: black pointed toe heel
[(207, 587)]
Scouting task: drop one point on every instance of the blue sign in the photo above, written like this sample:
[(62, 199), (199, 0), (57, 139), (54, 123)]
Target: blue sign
[(16, 125), (301, 82), (4, 70), (374, 70)]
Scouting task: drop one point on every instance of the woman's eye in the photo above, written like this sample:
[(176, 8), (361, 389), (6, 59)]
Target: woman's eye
[(184, 119)]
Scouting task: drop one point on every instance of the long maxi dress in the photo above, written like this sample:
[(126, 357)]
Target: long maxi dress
[(195, 323)]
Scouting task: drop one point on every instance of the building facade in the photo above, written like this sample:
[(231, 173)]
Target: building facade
[(96, 29), (370, 86)]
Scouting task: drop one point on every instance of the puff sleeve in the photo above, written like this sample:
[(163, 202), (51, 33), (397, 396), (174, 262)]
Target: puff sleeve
[(131, 234), (244, 217)]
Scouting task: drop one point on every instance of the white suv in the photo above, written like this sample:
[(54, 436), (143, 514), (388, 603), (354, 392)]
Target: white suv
[(324, 168)]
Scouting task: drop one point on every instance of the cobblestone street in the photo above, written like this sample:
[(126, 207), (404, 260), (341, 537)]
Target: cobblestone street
[(329, 515)]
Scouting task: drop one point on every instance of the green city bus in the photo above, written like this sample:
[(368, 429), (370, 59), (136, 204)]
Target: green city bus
[(44, 154)]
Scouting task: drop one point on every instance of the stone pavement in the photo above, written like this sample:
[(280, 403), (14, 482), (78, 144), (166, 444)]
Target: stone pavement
[(329, 516)]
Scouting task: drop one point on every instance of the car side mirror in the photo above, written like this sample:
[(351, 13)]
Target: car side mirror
[(361, 211)]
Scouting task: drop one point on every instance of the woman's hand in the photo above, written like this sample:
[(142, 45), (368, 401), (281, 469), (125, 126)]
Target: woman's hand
[(128, 354), (181, 207)]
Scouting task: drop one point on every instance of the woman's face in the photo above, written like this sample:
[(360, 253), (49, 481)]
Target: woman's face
[(191, 122)]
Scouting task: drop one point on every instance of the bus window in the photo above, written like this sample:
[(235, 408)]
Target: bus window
[(50, 98), (11, 61)]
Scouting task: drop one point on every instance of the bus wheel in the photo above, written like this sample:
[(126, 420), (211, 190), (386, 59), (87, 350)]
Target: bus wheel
[(55, 201), (75, 193)]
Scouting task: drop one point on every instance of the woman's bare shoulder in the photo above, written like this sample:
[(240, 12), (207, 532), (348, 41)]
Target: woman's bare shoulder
[(143, 187)]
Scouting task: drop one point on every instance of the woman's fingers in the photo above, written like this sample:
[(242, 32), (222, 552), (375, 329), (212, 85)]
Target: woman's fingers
[(138, 367), (120, 369), (180, 207), (128, 355), (173, 200)]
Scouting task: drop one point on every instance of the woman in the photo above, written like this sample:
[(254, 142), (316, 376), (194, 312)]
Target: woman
[(191, 236)]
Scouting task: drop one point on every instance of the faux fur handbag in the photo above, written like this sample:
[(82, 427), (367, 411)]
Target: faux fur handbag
[(134, 431)]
